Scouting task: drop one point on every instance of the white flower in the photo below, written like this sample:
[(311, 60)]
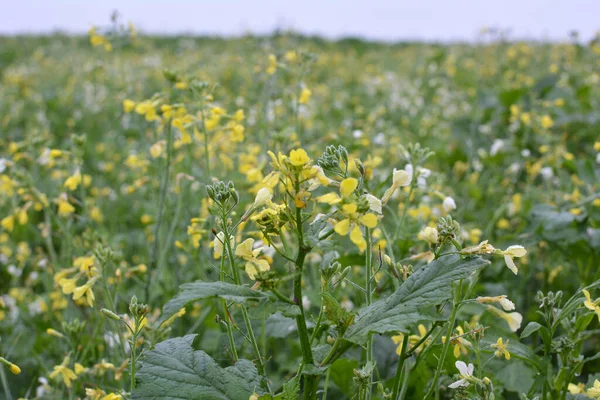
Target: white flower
[(512, 252), (379, 139), (547, 172), (449, 204), (2, 165), (401, 178), (496, 147), (262, 197), (374, 203), (306, 302), (218, 243), (466, 372), (357, 134), (504, 302), (429, 234), (513, 319)]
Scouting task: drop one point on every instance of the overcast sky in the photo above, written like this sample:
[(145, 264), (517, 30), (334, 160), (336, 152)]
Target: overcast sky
[(374, 19)]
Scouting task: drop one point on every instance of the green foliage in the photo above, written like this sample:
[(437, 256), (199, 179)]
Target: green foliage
[(414, 301), (175, 370)]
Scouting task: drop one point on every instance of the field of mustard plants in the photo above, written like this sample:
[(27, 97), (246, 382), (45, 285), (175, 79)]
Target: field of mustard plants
[(288, 217)]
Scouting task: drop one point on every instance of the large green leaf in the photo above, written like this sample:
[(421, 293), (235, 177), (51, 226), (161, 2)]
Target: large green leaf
[(414, 300), (191, 292), (174, 370)]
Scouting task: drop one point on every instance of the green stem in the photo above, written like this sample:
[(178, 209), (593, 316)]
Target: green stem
[(400, 366), (407, 369), (161, 204), (237, 280), (228, 321), (369, 293), (317, 326), (281, 297), (449, 330), (206, 154), (326, 384), (311, 382), (133, 348), (5, 383)]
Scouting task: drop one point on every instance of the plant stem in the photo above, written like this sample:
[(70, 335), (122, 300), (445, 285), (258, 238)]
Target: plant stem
[(399, 368), (5, 383), (133, 348), (449, 330), (206, 154), (236, 278), (228, 322), (369, 293), (326, 384), (311, 382), (159, 212)]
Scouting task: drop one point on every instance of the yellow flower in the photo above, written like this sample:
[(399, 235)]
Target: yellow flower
[(594, 392), (86, 290), (429, 234), (68, 285), (412, 340), (329, 198), (501, 349), (8, 223), (369, 220), (237, 133), (79, 369), (73, 181), (348, 186), (546, 122), (253, 264), (576, 389), (591, 305), (65, 372), (475, 235), (304, 96), (299, 158), (358, 239), (461, 345), (128, 105), (272, 64), (64, 207)]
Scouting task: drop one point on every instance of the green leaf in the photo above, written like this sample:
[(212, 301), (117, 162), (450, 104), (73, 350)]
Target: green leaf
[(291, 389), (175, 370), (516, 376), (278, 326), (415, 299), (342, 374), (191, 292), (529, 329)]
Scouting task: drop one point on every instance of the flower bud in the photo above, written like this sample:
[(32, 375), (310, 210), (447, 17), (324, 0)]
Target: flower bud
[(110, 314)]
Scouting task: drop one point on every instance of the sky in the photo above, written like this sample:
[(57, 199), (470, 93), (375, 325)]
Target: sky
[(389, 20)]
